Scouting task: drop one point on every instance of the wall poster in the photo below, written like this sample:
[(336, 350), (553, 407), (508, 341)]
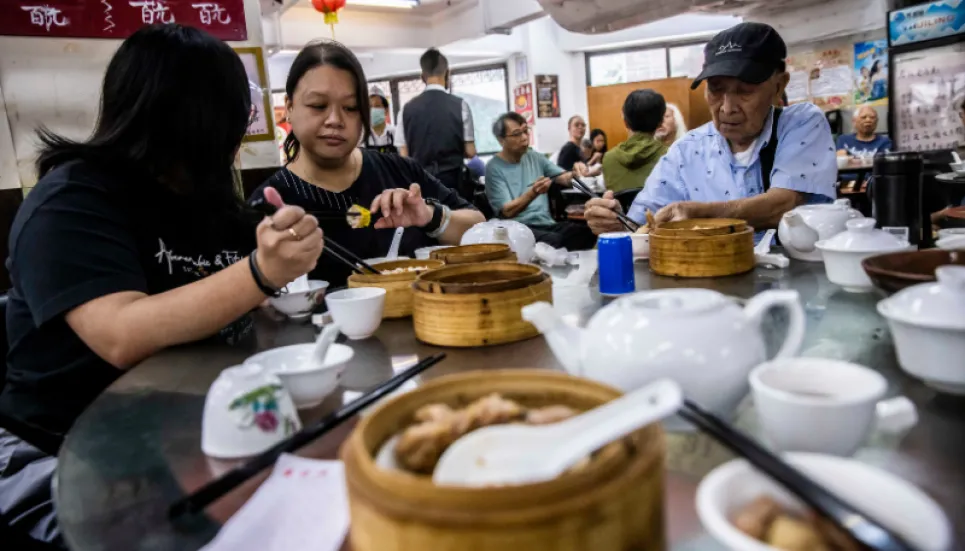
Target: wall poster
[(118, 19), (548, 96), (871, 72), (261, 123), (929, 91), (523, 102)]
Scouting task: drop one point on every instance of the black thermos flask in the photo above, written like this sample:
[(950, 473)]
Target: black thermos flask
[(896, 193)]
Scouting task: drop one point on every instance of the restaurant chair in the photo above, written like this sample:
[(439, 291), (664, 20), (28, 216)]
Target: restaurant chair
[(626, 197)]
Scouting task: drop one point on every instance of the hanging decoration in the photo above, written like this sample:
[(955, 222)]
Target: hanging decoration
[(330, 9)]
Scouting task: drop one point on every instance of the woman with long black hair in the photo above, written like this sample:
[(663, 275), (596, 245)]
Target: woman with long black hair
[(132, 241), (328, 106)]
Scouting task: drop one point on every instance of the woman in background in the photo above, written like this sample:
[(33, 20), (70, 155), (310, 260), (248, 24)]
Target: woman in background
[(132, 241), (571, 155), (598, 137), (673, 127), (328, 108)]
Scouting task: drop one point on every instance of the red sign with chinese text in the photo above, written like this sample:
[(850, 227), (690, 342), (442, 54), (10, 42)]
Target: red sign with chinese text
[(118, 19)]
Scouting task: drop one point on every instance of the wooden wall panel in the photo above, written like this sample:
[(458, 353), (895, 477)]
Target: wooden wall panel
[(606, 104)]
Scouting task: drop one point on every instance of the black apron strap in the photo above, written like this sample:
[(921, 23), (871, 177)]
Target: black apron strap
[(769, 152)]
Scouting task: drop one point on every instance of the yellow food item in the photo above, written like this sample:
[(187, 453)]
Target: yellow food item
[(792, 534), (644, 229), (754, 519), (359, 217)]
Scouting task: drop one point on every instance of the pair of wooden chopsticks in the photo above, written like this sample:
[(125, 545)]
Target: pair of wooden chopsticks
[(217, 488), (844, 516), (629, 224)]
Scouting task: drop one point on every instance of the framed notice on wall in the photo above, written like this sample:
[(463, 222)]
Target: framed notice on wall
[(118, 19), (929, 87), (261, 123), (548, 96)]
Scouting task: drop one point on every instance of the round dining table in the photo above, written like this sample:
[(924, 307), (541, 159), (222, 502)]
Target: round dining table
[(137, 448)]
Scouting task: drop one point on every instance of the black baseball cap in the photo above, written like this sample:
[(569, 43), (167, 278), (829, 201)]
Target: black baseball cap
[(751, 52)]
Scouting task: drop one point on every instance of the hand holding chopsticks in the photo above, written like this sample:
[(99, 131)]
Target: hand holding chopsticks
[(629, 224), (844, 516), (219, 487)]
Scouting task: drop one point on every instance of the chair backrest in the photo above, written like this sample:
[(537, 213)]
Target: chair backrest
[(626, 197)]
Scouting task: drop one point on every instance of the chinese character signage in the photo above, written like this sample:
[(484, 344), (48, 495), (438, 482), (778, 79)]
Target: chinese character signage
[(119, 18), (523, 102), (926, 22)]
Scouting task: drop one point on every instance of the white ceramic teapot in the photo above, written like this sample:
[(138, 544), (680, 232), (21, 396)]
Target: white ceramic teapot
[(515, 234), (700, 338), (802, 227)]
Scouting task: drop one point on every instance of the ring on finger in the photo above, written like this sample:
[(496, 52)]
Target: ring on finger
[(294, 234)]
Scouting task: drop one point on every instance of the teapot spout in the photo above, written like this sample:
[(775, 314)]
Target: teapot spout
[(564, 340), (803, 237)]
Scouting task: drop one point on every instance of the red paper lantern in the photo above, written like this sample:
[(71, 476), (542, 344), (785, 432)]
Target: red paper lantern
[(329, 8)]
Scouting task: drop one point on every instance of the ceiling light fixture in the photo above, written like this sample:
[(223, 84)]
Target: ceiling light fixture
[(398, 4)]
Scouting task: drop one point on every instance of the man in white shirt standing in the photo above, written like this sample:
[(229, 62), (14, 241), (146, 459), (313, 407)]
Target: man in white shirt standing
[(435, 128)]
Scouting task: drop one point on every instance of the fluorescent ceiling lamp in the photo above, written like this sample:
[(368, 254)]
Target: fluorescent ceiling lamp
[(401, 4)]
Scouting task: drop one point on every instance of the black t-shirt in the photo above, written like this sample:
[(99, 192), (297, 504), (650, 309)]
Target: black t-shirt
[(570, 154), (379, 173), (82, 233)]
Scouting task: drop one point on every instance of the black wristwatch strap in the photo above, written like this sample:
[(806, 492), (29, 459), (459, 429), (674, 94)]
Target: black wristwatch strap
[(437, 215), (260, 278)]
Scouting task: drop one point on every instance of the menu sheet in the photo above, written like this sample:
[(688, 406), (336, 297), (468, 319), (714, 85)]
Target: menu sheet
[(929, 91), (302, 505)]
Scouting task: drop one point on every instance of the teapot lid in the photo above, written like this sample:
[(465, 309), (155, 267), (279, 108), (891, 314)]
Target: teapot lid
[(862, 237), (675, 301), (937, 305)]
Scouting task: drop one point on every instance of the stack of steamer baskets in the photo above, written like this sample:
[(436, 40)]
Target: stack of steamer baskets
[(396, 277), (702, 247), (477, 303)]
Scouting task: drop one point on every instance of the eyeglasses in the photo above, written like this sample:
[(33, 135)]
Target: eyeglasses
[(521, 132)]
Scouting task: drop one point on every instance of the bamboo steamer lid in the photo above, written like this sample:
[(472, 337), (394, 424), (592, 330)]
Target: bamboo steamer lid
[(480, 277), (700, 226), (691, 253), (477, 318), (482, 252), (398, 287), (614, 504)]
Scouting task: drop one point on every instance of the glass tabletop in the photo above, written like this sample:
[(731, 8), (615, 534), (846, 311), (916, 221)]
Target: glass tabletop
[(136, 449)]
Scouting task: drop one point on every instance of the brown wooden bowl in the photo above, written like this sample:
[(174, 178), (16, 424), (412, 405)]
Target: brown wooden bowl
[(485, 277), (614, 504), (468, 254), (954, 218), (700, 226), (893, 272), (398, 287)]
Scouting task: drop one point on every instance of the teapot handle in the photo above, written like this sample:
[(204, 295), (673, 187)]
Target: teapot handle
[(788, 299)]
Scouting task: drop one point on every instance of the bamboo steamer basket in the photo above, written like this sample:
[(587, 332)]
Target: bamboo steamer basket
[(398, 287), (482, 277), (689, 253), (468, 254), (478, 318), (614, 504), (700, 226)]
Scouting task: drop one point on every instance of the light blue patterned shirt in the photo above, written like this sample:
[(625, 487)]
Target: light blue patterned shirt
[(701, 167)]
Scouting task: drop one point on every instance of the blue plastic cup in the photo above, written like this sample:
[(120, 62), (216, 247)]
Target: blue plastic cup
[(615, 253)]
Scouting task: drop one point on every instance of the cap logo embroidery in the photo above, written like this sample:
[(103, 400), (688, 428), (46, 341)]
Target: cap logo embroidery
[(729, 48)]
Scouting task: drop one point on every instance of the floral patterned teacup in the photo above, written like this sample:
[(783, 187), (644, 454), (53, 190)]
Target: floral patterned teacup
[(246, 412)]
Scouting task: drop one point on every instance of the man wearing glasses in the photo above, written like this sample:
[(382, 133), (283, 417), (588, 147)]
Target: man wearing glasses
[(517, 181)]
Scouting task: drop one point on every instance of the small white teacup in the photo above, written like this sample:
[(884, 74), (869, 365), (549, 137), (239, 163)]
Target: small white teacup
[(824, 406), (247, 411), (358, 311)]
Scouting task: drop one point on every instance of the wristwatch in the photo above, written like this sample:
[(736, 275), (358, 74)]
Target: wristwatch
[(440, 219)]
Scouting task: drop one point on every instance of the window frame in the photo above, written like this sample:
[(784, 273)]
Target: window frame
[(666, 46)]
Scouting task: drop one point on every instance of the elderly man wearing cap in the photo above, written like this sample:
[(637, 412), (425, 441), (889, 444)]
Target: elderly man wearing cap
[(753, 162)]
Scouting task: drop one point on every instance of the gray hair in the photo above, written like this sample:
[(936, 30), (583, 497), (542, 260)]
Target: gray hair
[(857, 111), (499, 126)]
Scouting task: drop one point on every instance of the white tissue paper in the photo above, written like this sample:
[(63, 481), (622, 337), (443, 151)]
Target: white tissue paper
[(302, 505), (300, 285), (550, 256), (763, 255), (580, 277)]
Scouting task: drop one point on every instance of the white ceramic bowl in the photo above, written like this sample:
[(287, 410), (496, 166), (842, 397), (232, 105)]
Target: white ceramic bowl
[(307, 382), (424, 252), (358, 311), (958, 167), (898, 505), (247, 410), (300, 304), (641, 245)]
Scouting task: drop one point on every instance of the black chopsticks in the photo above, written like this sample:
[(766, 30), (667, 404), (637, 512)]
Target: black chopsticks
[(629, 224), (868, 532), (347, 257), (217, 488)]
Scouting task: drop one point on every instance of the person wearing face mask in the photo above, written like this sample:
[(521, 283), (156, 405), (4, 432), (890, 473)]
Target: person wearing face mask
[(436, 128), (326, 174), (382, 137), (753, 161)]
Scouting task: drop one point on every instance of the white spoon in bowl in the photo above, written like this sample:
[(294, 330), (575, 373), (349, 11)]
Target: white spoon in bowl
[(322, 344), (525, 454)]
